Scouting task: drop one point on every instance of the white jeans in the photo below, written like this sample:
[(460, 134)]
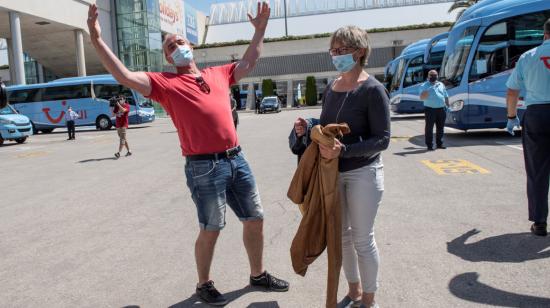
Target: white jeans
[(361, 193)]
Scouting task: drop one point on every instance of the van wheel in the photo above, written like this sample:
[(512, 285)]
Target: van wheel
[(1, 140), (103, 123), (46, 130), (21, 140)]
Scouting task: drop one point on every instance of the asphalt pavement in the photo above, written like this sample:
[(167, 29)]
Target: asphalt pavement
[(81, 229)]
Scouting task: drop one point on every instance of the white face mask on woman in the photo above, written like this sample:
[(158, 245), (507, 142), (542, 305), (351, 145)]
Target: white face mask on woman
[(182, 56)]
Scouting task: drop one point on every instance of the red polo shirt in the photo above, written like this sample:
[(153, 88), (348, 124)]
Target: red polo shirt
[(204, 121)]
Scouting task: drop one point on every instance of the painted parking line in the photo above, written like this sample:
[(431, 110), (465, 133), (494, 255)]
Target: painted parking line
[(513, 146), (454, 166), (32, 154)]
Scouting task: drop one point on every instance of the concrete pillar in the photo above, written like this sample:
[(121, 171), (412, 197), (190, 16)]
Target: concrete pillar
[(251, 97), (10, 61), (17, 49), (289, 94), (40, 72), (80, 58)]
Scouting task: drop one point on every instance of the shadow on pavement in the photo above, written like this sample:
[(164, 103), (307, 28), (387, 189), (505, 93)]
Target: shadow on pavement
[(510, 248), (473, 138), (413, 150), (263, 305), (194, 301), (96, 160), (467, 287), (87, 129)]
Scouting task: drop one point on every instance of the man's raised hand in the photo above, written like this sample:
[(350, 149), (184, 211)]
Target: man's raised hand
[(262, 16), (93, 25)]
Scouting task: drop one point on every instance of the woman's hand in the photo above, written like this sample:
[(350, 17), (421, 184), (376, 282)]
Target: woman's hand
[(331, 152), (300, 127)]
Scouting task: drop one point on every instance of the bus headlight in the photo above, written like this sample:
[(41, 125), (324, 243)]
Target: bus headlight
[(456, 105)]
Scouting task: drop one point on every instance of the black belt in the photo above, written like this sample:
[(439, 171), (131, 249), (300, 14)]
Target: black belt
[(230, 153)]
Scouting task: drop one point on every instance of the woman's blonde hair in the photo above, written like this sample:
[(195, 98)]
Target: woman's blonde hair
[(353, 36)]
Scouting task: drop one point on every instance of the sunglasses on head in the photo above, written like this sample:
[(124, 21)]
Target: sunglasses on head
[(205, 88)]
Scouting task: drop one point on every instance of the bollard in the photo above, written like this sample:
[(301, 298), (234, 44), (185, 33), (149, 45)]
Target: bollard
[(3, 95)]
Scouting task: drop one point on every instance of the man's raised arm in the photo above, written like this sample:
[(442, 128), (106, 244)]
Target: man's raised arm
[(250, 57), (135, 80)]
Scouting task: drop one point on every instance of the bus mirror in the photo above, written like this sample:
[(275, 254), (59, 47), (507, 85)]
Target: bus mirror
[(3, 95)]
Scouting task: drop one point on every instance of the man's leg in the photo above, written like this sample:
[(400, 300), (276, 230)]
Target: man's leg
[(440, 126), (253, 238), (536, 151), (204, 253), (244, 199), (428, 130), (69, 129)]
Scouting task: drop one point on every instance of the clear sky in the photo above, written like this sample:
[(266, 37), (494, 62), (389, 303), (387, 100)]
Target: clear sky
[(204, 5)]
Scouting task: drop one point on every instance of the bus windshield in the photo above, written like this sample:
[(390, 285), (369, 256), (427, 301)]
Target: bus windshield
[(456, 57)]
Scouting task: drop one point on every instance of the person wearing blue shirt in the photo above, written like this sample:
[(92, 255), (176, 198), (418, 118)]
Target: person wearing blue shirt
[(532, 73), (435, 97)]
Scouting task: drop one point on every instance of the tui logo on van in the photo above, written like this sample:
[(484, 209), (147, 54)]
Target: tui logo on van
[(546, 61)]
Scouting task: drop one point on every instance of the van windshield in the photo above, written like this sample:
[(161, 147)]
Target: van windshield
[(142, 101), (7, 110)]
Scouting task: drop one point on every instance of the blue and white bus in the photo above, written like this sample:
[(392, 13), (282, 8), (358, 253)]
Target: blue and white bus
[(45, 104), (409, 71), (482, 50)]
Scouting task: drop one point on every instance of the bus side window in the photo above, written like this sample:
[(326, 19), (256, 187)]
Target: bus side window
[(503, 43), (23, 96)]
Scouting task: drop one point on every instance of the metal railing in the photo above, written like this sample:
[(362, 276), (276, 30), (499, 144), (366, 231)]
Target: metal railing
[(235, 12)]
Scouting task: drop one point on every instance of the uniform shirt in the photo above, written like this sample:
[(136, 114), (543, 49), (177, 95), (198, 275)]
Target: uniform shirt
[(204, 121), (121, 116), (71, 115), (532, 73), (436, 94)]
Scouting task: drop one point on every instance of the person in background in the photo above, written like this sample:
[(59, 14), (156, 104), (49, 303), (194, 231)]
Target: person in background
[(70, 117), (121, 112), (436, 100), (532, 73)]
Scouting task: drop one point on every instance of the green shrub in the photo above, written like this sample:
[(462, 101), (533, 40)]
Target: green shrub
[(311, 91), (267, 87)]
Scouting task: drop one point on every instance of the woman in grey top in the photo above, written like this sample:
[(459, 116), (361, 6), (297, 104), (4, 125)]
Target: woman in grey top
[(358, 99)]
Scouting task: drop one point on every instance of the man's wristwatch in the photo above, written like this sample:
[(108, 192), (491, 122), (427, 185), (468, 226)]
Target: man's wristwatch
[(512, 117)]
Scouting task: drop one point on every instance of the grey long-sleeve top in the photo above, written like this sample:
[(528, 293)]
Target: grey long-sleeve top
[(366, 111)]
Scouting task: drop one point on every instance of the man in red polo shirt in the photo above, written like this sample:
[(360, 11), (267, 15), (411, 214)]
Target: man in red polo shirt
[(217, 172)]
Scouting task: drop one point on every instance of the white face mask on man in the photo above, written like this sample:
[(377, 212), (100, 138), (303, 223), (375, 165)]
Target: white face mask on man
[(182, 56)]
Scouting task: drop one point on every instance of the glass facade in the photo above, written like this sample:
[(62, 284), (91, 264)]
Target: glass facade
[(139, 37), (31, 71)]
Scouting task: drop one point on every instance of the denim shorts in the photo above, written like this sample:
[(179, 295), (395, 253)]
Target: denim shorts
[(214, 184)]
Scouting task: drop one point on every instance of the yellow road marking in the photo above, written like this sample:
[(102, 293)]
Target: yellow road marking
[(400, 138), (454, 166), (32, 154)]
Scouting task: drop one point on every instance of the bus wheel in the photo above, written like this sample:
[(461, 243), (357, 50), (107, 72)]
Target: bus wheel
[(46, 130), (103, 123), (1, 140), (21, 140)]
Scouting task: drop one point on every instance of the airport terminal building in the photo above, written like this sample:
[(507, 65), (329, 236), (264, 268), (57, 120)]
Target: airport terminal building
[(45, 42)]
